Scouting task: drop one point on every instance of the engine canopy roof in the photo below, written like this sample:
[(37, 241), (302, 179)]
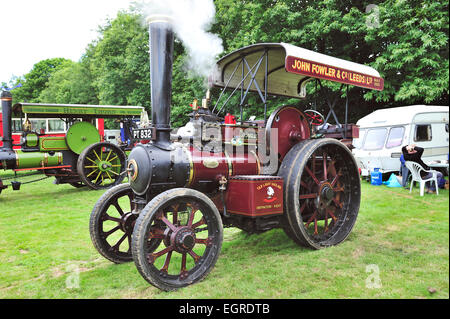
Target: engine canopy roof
[(288, 69), (37, 110)]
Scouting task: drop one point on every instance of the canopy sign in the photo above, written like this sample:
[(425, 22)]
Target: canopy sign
[(327, 72)]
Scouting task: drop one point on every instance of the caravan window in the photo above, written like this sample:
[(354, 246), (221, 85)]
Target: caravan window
[(423, 133), (375, 139), (395, 137), (357, 142)]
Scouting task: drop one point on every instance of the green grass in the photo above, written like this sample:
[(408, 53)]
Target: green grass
[(44, 237)]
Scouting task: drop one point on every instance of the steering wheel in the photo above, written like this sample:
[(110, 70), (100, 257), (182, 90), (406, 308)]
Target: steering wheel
[(315, 118)]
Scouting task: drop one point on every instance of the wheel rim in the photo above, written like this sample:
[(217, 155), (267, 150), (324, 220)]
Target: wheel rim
[(102, 166), (329, 195), (190, 242)]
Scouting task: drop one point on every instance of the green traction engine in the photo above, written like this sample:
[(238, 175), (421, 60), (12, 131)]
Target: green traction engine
[(79, 157)]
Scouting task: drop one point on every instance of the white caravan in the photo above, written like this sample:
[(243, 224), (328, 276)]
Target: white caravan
[(384, 132)]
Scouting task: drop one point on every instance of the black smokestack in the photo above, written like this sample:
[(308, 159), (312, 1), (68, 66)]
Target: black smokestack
[(161, 61), (6, 98)]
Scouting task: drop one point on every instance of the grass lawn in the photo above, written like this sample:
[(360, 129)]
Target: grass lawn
[(399, 248)]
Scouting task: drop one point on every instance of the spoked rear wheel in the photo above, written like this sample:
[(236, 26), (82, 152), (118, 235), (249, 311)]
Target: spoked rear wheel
[(190, 229), (322, 193)]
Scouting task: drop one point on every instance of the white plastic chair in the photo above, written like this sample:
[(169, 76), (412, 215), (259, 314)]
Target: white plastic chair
[(415, 170)]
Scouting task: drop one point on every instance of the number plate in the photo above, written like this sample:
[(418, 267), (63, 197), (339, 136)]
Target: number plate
[(143, 134)]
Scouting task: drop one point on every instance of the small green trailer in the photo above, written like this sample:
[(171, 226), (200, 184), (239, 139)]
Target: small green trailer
[(79, 157)]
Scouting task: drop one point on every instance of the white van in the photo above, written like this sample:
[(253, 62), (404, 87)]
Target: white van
[(384, 132)]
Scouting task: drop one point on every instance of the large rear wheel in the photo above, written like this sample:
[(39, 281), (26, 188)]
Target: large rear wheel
[(322, 192)]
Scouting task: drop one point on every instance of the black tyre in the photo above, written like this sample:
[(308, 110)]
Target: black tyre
[(101, 166), (111, 224), (190, 228), (322, 193)]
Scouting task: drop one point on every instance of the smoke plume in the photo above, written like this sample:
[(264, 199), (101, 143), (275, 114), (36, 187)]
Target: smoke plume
[(192, 19)]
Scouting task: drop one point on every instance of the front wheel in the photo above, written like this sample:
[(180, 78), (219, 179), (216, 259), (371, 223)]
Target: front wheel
[(190, 229), (111, 224)]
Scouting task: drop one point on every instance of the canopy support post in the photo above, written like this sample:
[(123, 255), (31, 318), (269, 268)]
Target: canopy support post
[(346, 112), (266, 79)]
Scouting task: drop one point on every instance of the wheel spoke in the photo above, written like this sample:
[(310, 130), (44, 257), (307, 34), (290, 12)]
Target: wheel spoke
[(194, 255), (117, 206), (336, 178), (312, 175), (113, 172), (183, 271), (332, 216), (117, 245), (175, 214), (302, 183), (306, 196), (153, 256), (194, 209), (199, 223), (205, 241), (99, 174), (114, 219), (88, 158), (165, 268), (325, 172), (108, 155), (108, 233), (96, 155), (337, 203), (311, 219), (156, 233), (166, 221), (92, 172)]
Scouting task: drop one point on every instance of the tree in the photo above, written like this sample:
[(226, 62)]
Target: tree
[(71, 84), (406, 41), (34, 82), (119, 62)]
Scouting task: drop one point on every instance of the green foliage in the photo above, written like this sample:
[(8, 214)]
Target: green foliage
[(406, 41), (34, 82), (119, 62), (413, 57), (71, 84)]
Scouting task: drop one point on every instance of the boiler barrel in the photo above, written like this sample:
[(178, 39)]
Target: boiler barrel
[(21, 160), (206, 166)]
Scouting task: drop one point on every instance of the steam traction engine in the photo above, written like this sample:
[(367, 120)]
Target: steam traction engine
[(79, 158), (254, 175)]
